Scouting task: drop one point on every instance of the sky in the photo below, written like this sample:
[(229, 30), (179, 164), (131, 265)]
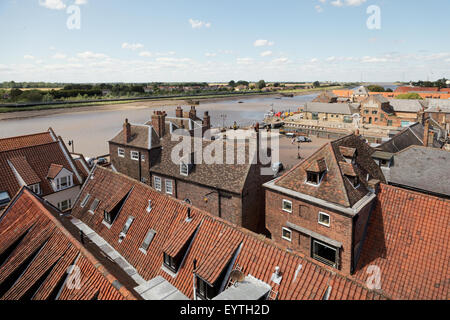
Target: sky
[(217, 41)]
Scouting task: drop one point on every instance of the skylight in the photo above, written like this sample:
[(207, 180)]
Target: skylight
[(4, 198)]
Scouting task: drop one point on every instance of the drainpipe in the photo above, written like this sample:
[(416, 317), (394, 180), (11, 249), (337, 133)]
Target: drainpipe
[(140, 167)]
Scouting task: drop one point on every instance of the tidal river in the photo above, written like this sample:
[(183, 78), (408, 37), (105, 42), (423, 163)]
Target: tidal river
[(91, 128)]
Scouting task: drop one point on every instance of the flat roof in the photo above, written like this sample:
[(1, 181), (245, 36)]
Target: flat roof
[(249, 289)]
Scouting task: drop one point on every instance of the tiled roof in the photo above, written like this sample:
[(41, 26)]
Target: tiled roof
[(416, 89), (347, 169), (347, 152), (54, 170), (82, 167), (23, 168), (215, 244), (407, 239), (39, 158), (228, 177), (37, 250), (317, 166), (13, 143), (334, 187)]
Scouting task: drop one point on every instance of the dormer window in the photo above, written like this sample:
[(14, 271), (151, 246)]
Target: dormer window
[(316, 172), (348, 170), (353, 180), (36, 188), (4, 198), (110, 214), (349, 154)]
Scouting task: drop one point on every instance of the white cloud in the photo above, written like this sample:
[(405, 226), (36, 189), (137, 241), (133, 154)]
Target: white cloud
[(318, 8), (80, 2), (59, 56), (197, 24), (314, 60), (28, 57), (266, 53), (52, 4), (348, 3), (330, 59), (132, 46), (92, 55), (145, 54), (280, 60), (263, 43), (244, 60), (210, 54)]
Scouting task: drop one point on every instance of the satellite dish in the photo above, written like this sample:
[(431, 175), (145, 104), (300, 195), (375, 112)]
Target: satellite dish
[(237, 276)]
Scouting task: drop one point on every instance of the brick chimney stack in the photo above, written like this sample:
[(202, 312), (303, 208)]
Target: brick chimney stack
[(158, 123), (426, 132), (193, 113), (207, 120), (126, 131), (179, 112)]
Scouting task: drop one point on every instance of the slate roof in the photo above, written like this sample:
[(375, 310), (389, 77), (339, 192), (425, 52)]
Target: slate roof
[(406, 105), (334, 186), (143, 136), (361, 91), (334, 108), (36, 250), (227, 177), (437, 105), (33, 162), (215, 241), (407, 238), (422, 168), (412, 135)]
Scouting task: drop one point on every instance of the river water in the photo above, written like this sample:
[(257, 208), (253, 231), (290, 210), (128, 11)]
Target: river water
[(91, 129)]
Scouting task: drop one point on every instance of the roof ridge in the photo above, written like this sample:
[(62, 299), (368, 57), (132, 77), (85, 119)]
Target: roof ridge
[(25, 135), (32, 146), (341, 178)]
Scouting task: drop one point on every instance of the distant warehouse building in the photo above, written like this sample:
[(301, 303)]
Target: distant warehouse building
[(335, 112)]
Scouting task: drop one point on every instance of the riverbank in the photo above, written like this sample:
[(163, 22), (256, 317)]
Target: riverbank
[(39, 111)]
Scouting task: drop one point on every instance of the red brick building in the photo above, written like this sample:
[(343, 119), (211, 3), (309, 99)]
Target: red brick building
[(232, 191), (321, 207)]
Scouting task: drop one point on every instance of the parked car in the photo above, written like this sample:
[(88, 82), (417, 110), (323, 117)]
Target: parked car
[(303, 139), (102, 161)]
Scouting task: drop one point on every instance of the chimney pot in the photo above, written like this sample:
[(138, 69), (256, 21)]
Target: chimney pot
[(127, 131)]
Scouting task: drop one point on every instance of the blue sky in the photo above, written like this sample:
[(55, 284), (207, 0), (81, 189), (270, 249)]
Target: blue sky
[(209, 40)]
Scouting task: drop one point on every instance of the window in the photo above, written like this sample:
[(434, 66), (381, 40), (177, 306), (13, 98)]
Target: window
[(324, 219), (376, 119), (65, 205), (85, 200), (366, 111), (36, 188), (286, 234), (4, 198), (110, 217), (374, 112), (287, 206), (157, 183), (354, 181), (148, 240), (382, 116), (170, 262), (325, 253), (121, 153), (135, 155), (64, 183), (389, 123), (169, 187), (314, 177), (94, 205), (142, 158), (315, 116), (126, 227), (184, 169)]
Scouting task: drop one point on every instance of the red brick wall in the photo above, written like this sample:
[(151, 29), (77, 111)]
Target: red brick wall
[(128, 166), (340, 226)]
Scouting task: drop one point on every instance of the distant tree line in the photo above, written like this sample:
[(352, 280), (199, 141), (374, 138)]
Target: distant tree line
[(441, 83), (376, 88)]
